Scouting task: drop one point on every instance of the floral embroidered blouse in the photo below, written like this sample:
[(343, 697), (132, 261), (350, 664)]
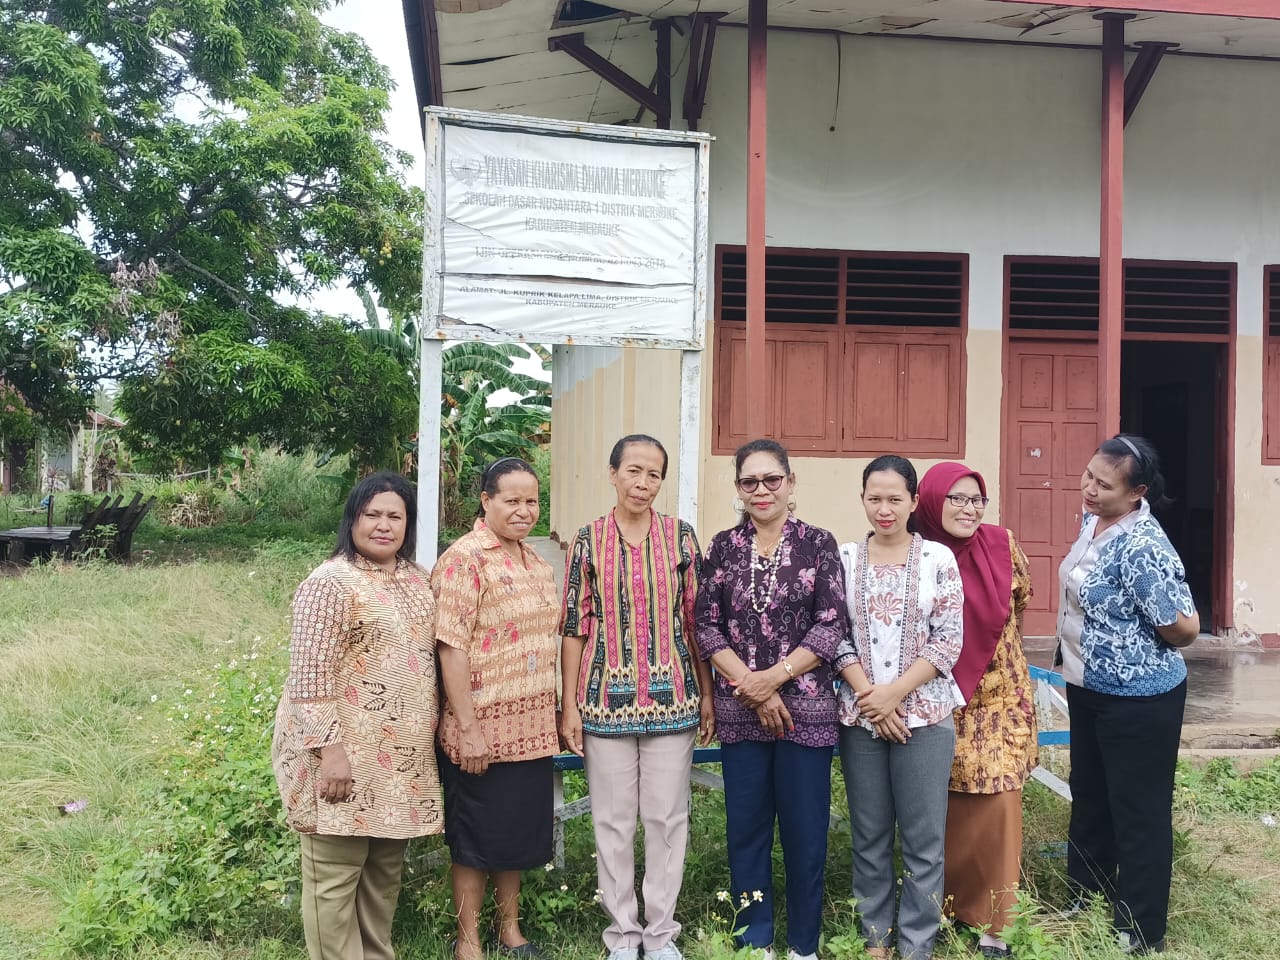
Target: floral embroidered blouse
[(899, 613), (806, 609), (362, 672), (634, 606), (1117, 588), (503, 614)]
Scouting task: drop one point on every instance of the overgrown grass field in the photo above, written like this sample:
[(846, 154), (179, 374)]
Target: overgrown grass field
[(148, 690)]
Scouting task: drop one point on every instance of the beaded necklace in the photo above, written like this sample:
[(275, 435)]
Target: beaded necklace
[(767, 566)]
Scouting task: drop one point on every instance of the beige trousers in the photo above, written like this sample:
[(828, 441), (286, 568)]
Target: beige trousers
[(349, 891), (646, 777)]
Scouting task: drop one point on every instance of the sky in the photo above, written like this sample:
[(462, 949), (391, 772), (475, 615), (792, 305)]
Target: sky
[(385, 37), (384, 34)]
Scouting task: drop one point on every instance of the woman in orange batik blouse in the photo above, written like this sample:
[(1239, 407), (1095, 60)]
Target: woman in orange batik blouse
[(496, 634)]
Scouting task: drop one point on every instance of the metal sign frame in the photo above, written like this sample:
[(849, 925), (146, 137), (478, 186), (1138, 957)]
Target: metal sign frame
[(435, 334)]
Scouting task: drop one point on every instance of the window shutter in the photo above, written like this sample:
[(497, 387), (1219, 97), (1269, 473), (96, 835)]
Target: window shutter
[(864, 351)]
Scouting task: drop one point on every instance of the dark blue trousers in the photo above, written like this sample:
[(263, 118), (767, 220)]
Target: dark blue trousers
[(784, 782)]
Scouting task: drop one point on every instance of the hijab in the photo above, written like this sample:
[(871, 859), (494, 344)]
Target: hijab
[(986, 569)]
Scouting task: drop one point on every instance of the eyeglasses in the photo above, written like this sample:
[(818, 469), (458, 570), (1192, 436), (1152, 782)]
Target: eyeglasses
[(960, 500), (771, 483)]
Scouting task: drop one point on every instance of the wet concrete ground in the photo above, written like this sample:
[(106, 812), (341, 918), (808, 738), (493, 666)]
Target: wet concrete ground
[(1232, 692), (1227, 687)]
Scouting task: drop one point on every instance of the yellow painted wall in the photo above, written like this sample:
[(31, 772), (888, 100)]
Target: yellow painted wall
[(1256, 601), (630, 391)]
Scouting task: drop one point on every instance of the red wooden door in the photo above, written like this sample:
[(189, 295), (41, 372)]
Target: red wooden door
[(1050, 432)]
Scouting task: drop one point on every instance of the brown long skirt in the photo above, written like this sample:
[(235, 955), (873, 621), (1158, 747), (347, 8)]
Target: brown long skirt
[(983, 857)]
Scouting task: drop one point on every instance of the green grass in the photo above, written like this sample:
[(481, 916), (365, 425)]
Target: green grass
[(105, 661)]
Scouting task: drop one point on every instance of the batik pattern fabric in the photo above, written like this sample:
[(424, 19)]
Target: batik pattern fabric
[(362, 673), (502, 612), (805, 609), (1137, 584), (633, 605), (996, 747), (899, 613)]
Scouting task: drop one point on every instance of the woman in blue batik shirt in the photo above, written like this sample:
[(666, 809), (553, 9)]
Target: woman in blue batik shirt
[(1125, 609)]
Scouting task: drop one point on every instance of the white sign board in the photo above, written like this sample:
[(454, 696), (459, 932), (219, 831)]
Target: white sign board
[(556, 232)]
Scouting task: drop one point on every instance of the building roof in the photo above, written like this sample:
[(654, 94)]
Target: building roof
[(494, 55)]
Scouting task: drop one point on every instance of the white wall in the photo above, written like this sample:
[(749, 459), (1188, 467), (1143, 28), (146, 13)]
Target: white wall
[(994, 149)]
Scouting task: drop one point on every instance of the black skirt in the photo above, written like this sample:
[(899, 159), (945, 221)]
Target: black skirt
[(500, 820)]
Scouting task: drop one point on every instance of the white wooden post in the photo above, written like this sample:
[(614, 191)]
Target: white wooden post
[(431, 362), (431, 376), (690, 455)]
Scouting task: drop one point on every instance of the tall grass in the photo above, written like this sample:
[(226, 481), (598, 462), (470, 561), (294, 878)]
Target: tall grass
[(108, 700)]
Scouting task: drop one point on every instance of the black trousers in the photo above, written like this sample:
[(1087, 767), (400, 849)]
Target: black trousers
[(1120, 842)]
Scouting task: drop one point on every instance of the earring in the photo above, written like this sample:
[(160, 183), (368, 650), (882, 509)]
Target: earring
[(738, 505)]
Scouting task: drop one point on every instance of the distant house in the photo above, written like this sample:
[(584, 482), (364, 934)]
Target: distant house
[(70, 461), (983, 241)]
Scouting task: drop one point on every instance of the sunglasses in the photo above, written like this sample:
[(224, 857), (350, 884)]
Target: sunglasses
[(771, 483), (960, 500)]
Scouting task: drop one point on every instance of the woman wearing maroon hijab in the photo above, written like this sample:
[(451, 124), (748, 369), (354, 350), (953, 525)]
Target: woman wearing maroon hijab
[(996, 729)]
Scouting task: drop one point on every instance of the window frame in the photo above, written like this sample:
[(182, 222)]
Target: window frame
[(1271, 365), (842, 339)]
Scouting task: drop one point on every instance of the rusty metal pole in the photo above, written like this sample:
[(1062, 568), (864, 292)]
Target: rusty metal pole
[(759, 381), (1111, 221)]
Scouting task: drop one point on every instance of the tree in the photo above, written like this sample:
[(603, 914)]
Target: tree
[(177, 176), (474, 432)]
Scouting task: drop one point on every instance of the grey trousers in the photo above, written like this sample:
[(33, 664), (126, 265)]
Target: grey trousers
[(902, 785)]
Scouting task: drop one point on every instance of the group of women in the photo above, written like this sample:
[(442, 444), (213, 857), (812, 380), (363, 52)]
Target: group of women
[(903, 647)]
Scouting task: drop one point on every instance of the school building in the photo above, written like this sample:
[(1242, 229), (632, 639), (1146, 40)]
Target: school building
[(987, 230)]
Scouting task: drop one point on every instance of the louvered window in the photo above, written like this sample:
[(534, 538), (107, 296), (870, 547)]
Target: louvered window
[(1160, 298), (1271, 369), (865, 351)]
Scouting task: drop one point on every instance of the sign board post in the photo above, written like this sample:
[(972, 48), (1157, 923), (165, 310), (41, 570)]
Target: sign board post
[(553, 232)]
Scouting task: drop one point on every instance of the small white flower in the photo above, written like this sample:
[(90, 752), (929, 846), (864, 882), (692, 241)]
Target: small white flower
[(154, 698), (564, 887), (549, 867), (722, 896)]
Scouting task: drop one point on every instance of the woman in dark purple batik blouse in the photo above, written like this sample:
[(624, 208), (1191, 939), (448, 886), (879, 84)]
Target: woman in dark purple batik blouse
[(770, 613)]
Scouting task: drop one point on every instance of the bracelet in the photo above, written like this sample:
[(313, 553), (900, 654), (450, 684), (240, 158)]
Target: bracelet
[(786, 665)]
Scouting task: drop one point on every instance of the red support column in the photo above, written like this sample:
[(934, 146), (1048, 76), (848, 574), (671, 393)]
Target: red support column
[(759, 381), (1111, 239)]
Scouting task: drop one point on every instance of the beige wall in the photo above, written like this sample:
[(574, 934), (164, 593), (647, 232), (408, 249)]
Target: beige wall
[(600, 395), (1255, 599)]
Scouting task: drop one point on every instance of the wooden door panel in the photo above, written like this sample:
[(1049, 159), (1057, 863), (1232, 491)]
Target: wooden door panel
[(874, 398), (1035, 382), (928, 414), (1050, 432), (1080, 385), (1035, 449), (807, 378)]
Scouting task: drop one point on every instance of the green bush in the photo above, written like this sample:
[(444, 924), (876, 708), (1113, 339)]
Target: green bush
[(277, 487), (1218, 787), (214, 857)]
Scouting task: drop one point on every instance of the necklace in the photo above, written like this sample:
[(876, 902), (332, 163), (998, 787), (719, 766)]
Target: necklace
[(768, 567)]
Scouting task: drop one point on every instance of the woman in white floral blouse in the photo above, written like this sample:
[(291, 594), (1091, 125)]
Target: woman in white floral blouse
[(897, 736)]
